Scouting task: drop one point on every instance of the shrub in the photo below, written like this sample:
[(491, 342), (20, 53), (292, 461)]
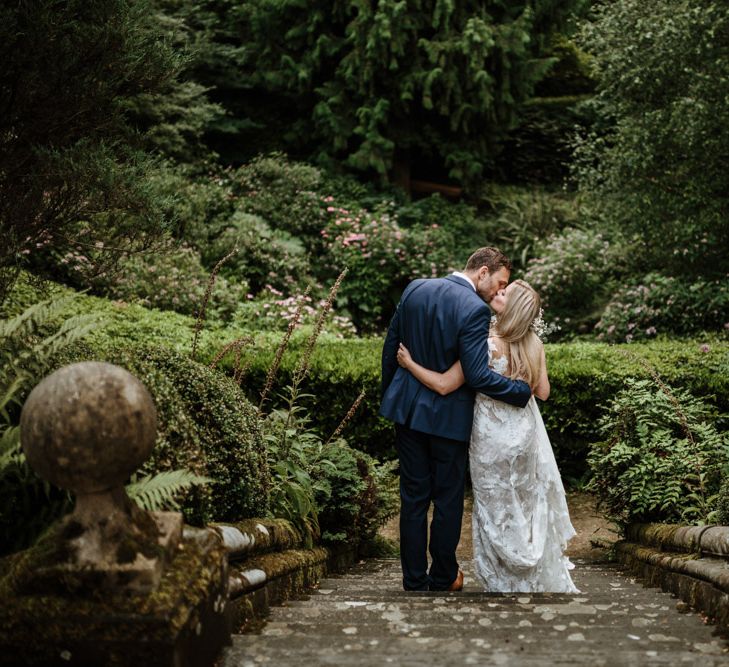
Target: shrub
[(196, 204), (584, 375), (265, 255), (661, 304), (662, 457), (329, 489), (173, 280), (573, 274), (282, 192), (518, 220), (205, 425), (382, 257)]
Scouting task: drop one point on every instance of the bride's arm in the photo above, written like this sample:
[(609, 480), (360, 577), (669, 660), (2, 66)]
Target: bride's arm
[(542, 388), (442, 383)]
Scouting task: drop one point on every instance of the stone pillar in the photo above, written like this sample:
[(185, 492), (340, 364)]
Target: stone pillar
[(109, 583)]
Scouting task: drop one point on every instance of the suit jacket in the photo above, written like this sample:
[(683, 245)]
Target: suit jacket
[(442, 320)]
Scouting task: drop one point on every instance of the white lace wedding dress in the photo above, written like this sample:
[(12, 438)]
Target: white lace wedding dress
[(521, 524)]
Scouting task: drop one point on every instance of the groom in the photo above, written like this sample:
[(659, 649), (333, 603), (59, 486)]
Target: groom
[(440, 321)]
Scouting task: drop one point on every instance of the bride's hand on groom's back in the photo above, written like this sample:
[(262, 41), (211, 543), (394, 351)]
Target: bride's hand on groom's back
[(403, 356)]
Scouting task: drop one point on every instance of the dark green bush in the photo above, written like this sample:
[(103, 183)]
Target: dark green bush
[(584, 376), (518, 220), (284, 193), (266, 256), (361, 497), (662, 457), (327, 488), (205, 425)]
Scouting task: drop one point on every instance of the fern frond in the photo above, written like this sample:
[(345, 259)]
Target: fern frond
[(158, 492), (34, 316), (10, 446), (73, 329), (10, 393)]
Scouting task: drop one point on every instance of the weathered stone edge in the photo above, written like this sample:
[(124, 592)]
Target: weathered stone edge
[(252, 537), (701, 582), (270, 579), (711, 540)]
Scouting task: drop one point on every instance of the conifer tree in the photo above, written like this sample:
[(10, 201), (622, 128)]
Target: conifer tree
[(380, 84), (70, 159)]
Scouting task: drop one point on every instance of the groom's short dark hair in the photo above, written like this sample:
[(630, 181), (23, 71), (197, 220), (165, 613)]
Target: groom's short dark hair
[(493, 258)]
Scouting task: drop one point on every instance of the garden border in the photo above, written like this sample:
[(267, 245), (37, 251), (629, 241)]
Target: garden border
[(270, 562), (692, 562)]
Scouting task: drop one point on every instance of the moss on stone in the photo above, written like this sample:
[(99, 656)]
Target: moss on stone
[(187, 582), (279, 535)]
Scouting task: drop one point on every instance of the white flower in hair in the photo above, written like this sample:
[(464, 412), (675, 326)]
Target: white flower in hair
[(538, 325)]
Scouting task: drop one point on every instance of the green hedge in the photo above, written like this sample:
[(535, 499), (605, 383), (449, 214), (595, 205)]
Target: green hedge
[(584, 376), (204, 424)]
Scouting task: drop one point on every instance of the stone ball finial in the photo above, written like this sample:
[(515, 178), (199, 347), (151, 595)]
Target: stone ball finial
[(88, 426)]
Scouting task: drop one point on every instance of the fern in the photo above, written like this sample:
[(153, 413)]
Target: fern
[(28, 343), (9, 447), (159, 492)]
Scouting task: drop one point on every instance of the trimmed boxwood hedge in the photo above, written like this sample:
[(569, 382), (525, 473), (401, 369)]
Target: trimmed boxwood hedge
[(205, 424), (584, 375)]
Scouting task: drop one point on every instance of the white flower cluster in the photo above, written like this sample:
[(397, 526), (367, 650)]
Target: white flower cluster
[(539, 326)]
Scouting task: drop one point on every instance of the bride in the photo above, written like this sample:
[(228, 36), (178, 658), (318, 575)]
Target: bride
[(521, 524)]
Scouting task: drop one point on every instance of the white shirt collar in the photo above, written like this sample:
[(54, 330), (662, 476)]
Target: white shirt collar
[(465, 277)]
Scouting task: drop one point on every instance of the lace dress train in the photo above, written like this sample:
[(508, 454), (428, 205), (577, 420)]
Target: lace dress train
[(521, 523)]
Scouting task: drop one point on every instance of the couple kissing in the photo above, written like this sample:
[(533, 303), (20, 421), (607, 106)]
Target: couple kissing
[(460, 385)]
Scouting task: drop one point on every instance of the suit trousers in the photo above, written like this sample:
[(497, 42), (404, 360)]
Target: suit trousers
[(432, 469)]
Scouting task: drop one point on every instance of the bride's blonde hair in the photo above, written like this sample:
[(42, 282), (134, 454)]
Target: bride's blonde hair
[(514, 327)]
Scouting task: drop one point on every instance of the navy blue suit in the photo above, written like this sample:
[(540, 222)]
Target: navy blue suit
[(440, 321)]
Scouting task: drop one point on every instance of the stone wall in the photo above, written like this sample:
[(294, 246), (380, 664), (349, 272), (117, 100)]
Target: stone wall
[(692, 562)]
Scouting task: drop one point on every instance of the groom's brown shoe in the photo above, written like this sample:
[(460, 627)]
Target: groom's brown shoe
[(457, 585)]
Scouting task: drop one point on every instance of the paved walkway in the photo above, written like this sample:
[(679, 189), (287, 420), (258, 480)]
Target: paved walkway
[(364, 618)]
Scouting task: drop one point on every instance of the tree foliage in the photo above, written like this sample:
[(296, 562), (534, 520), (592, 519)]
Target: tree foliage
[(69, 159), (656, 164), (376, 83)]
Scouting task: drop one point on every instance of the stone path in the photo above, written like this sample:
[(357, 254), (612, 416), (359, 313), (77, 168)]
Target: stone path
[(363, 618)]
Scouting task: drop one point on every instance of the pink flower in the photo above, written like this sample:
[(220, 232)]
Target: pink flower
[(705, 348)]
